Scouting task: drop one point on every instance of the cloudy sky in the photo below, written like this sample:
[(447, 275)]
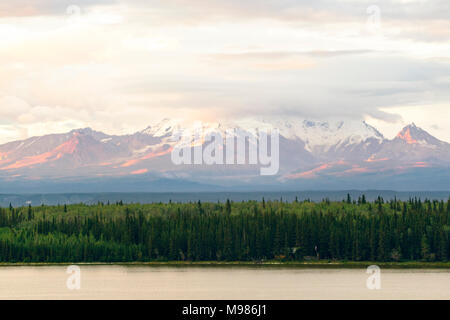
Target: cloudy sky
[(121, 65)]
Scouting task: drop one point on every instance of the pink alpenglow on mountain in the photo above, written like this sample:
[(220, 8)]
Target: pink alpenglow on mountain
[(309, 151)]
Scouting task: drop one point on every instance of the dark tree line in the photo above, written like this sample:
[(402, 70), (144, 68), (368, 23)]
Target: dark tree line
[(245, 231)]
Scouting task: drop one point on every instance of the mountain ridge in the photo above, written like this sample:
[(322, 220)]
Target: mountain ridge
[(309, 151)]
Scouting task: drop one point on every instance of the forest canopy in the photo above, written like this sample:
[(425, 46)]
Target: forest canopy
[(351, 230)]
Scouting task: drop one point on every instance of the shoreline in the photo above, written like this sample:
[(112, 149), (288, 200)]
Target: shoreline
[(265, 264)]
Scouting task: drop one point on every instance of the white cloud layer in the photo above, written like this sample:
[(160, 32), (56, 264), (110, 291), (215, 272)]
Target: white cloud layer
[(119, 66)]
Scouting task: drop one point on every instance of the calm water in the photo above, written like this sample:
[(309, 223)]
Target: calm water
[(142, 282)]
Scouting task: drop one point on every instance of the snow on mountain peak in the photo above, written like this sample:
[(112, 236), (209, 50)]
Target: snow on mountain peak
[(315, 134), (163, 128), (411, 134), (338, 133), (326, 134)]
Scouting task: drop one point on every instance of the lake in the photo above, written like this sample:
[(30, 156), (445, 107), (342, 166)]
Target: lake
[(150, 282)]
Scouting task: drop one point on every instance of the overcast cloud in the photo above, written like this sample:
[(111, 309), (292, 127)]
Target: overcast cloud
[(119, 66)]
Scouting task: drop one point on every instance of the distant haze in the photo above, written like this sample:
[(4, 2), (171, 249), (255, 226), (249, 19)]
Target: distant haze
[(165, 197)]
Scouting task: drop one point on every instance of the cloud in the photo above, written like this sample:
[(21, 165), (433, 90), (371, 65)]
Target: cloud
[(295, 11), (432, 118), (25, 8), (217, 59), (11, 108), (422, 20)]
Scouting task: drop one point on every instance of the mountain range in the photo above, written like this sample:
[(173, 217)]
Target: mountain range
[(314, 155)]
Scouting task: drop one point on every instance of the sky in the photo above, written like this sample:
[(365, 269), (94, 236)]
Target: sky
[(119, 66)]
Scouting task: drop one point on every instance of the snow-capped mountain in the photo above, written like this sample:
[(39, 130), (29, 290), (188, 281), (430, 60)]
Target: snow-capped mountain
[(323, 136), (414, 135), (331, 152), (318, 137)]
